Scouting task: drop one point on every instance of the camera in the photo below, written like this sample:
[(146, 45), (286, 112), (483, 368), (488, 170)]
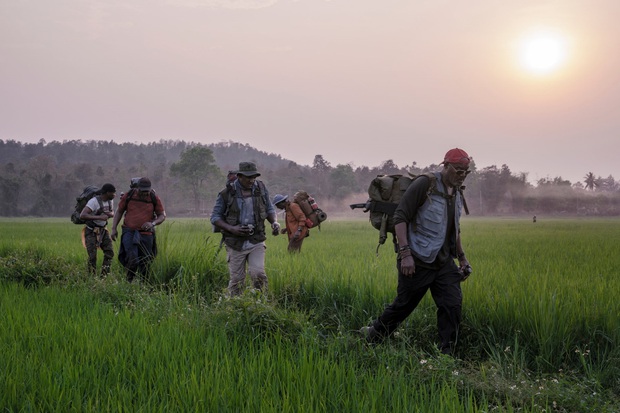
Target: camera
[(466, 270), (249, 228)]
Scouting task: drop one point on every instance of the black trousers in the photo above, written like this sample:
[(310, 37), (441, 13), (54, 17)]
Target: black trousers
[(445, 286)]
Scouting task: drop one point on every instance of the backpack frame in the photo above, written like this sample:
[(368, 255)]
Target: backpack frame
[(314, 214)]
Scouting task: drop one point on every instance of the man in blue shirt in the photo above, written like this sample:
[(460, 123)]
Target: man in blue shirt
[(240, 212)]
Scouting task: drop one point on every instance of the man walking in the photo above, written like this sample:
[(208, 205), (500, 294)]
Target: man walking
[(143, 210), (240, 211), (96, 214), (427, 227), (295, 222)]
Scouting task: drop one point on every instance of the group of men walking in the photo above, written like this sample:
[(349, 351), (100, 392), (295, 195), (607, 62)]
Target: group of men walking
[(427, 230), (142, 209)]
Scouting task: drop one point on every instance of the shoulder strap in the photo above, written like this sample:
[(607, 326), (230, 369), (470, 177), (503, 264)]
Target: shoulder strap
[(261, 188), (433, 190), (131, 193), (461, 191), (228, 195), (100, 210)]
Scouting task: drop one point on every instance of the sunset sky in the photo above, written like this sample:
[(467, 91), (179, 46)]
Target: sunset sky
[(533, 84)]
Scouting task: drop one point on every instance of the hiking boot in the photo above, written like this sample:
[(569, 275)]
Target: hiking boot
[(370, 334)]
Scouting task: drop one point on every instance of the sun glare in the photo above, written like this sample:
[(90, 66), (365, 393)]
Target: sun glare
[(543, 52)]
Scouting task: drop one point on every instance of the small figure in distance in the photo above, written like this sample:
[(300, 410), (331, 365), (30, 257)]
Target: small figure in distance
[(295, 222)]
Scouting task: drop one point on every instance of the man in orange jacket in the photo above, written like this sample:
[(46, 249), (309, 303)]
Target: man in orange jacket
[(295, 222)]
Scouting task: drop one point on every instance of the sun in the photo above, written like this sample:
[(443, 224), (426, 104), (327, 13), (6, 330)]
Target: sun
[(543, 52)]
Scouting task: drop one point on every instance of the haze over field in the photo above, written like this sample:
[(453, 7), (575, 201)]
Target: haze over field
[(531, 84)]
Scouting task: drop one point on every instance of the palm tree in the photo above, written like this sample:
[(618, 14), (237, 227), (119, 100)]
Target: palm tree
[(590, 181)]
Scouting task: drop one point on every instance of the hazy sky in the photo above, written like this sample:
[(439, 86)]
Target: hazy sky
[(358, 81)]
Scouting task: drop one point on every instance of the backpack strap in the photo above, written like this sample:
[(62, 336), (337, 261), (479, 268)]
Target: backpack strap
[(100, 210), (131, 193), (433, 190), (228, 195)]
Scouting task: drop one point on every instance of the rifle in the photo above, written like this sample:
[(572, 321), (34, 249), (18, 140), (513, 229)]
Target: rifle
[(376, 206), (365, 205)]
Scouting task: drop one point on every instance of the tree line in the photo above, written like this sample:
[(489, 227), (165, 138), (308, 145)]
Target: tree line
[(43, 179)]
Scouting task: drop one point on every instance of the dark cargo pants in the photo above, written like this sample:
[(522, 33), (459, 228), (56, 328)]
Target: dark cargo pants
[(445, 286)]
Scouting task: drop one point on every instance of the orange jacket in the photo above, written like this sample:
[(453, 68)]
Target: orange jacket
[(295, 219)]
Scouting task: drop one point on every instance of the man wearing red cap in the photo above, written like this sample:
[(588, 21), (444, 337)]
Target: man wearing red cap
[(427, 227)]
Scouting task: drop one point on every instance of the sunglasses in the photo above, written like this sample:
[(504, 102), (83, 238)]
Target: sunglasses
[(460, 172)]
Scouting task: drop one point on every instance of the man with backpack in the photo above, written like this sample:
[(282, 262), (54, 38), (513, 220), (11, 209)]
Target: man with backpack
[(427, 227), (143, 210), (95, 215), (239, 212), (295, 222)]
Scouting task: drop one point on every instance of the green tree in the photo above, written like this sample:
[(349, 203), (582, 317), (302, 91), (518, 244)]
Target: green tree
[(194, 168), (321, 169), (343, 181), (590, 181)]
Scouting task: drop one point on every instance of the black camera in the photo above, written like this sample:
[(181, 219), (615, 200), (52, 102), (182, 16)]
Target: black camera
[(466, 270)]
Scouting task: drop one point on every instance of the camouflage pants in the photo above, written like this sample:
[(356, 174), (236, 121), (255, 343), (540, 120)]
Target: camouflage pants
[(98, 238)]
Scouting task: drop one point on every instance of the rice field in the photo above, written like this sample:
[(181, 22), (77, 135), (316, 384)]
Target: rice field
[(540, 325)]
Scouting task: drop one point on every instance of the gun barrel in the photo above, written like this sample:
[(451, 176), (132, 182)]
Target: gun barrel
[(364, 205)]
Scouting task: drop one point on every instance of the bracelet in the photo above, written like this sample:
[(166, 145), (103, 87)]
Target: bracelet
[(460, 256), (404, 247)]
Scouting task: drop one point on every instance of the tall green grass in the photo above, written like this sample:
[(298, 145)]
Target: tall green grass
[(539, 333)]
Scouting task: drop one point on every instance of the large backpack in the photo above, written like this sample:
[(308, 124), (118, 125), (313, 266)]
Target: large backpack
[(385, 192), (81, 201), (314, 214)]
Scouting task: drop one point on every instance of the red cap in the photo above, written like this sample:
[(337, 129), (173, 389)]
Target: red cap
[(457, 156)]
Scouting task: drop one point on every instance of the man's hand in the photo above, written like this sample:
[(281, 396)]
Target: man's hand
[(407, 266), (148, 226), (275, 229), (464, 268), (466, 271)]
